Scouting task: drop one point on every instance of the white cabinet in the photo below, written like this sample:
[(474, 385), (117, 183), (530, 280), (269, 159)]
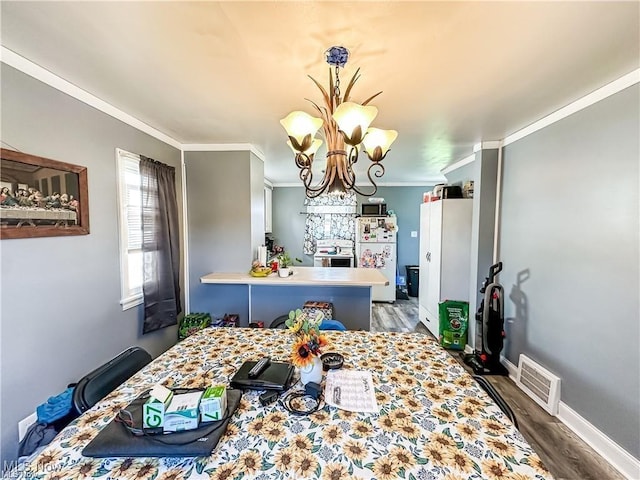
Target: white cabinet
[(268, 218), (445, 256)]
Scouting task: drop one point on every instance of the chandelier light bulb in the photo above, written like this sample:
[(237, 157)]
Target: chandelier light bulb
[(300, 124), (353, 120), (378, 138)]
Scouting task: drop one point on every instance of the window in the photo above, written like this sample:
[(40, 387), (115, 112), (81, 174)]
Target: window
[(130, 224)]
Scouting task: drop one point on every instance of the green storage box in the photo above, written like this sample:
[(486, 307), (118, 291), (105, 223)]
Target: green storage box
[(191, 323), (454, 323)]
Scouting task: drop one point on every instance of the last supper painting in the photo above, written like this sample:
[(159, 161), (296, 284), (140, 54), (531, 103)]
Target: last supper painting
[(41, 197)]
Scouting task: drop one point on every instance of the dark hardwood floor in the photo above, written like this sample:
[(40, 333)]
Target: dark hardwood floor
[(565, 455)]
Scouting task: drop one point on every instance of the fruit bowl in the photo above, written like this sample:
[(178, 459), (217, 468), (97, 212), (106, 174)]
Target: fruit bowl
[(260, 272)]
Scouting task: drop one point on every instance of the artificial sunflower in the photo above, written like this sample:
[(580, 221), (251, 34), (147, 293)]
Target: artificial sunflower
[(308, 342)]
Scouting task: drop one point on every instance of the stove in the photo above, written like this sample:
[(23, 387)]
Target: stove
[(333, 253)]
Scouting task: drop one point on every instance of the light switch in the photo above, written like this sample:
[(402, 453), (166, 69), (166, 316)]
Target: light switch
[(414, 233)]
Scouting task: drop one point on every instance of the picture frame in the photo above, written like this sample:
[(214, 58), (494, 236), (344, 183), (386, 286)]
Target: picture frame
[(41, 197)]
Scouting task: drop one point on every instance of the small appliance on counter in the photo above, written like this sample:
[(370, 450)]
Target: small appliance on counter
[(442, 191)]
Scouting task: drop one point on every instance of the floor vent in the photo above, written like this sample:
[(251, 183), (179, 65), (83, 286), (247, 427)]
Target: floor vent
[(539, 383)]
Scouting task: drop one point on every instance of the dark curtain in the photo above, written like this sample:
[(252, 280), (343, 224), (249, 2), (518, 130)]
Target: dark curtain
[(160, 245)]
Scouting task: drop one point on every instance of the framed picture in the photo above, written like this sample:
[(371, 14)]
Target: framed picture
[(40, 197)]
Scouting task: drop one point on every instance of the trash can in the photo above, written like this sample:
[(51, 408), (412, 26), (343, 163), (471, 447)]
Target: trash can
[(413, 279)]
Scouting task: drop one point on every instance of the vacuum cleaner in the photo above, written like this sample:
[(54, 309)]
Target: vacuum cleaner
[(489, 328)]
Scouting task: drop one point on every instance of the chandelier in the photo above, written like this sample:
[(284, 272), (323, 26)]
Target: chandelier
[(345, 126)]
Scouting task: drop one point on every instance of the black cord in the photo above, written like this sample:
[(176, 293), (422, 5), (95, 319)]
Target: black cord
[(287, 400)]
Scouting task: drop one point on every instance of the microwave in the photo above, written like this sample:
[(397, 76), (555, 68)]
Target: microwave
[(374, 209)]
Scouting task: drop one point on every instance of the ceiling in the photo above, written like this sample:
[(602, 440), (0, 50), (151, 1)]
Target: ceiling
[(452, 73)]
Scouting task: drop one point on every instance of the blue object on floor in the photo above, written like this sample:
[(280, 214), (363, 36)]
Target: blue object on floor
[(55, 407), (332, 325)]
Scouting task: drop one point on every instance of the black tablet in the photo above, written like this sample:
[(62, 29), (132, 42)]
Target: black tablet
[(277, 376)]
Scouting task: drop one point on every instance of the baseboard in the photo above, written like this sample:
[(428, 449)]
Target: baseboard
[(613, 453), (513, 370), (609, 450)]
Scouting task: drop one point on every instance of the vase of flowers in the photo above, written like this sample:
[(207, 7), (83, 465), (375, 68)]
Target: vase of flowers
[(307, 345)]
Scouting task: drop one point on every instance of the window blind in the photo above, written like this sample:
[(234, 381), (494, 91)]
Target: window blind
[(133, 204)]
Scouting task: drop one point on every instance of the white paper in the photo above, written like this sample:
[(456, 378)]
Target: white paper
[(350, 390), (262, 255)]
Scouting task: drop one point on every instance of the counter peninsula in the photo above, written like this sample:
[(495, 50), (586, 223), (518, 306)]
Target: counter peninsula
[(348, 289)]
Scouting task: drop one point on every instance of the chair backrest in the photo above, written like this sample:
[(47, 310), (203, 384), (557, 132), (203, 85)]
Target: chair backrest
[(328, 324), (96, 385), (279, 322)]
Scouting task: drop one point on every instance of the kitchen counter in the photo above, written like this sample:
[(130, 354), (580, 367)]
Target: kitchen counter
[(266, 298), (353, 277)]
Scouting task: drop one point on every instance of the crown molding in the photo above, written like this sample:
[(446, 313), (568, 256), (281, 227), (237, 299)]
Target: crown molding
[(459, 164), (489, 145), (27, 67), (223, 147), (612, 88), (600, 94)]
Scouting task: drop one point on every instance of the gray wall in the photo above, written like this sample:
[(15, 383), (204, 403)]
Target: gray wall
[(289, 220), (569, 242), (225, 203), (405, 202), (61, 315)]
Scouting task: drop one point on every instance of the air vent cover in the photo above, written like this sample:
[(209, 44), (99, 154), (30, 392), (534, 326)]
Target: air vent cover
[(539, 383)]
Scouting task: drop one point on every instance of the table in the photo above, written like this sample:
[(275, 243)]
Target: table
[(30, 215), (434, 421), (266, 298)]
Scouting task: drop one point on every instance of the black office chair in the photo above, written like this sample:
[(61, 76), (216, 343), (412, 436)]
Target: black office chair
[(496, 397), (279, 322), (96, 385)]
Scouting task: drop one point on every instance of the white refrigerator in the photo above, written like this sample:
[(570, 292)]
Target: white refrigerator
[(376, 248)]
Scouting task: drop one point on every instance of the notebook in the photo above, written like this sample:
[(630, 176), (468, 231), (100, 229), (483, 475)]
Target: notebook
[(277, 376), (116, 441)]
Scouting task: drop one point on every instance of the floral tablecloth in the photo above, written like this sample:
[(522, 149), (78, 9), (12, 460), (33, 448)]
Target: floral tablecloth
[(434, 421)]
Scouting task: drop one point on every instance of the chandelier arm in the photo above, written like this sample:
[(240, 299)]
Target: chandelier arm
[(313, 192), (349, 178), (306, 176), (378, 172), (349, 174), (303, 160)]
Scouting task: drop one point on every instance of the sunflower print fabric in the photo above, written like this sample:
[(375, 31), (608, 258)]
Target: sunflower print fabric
[(434, 421)]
